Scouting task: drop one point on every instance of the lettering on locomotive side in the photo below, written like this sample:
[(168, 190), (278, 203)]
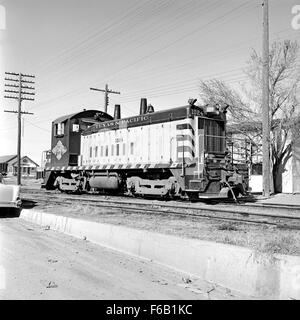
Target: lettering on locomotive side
[(122, 123), (197, 112)]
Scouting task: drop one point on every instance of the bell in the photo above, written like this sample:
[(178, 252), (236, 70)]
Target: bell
[(150, 108)]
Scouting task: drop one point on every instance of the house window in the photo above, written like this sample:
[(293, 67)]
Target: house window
[(101, 152), (96, 152), (91, 152), (131, 148), (118, 149), (112, 150), (106, 151)]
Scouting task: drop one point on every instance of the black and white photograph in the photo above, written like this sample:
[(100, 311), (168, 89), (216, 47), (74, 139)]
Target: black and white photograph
[(149, 153)]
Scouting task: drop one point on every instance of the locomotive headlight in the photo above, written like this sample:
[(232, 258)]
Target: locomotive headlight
[(212, 110)]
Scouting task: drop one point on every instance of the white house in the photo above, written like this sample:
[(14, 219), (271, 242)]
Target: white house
[(9, 166)]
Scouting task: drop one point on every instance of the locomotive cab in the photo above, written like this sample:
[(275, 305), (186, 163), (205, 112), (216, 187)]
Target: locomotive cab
[(65, 140), (206, 173)]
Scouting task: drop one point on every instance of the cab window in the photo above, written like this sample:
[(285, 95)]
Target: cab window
[(60, 129)]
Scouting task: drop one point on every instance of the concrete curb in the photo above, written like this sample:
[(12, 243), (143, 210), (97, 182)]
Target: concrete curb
[(233, 267)]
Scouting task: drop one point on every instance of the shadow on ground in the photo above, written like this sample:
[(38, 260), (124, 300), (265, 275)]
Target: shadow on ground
[(230, 200), (9, 213), (15, 212), (28, 204)]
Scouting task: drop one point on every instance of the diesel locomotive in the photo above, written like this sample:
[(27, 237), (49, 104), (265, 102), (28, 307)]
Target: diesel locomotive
[(178, 152)]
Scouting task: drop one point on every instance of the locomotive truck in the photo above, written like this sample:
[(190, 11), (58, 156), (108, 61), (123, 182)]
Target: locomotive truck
[(178, 152)]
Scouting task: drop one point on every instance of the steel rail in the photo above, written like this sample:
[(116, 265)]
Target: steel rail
[(236, 214), (181, 204)]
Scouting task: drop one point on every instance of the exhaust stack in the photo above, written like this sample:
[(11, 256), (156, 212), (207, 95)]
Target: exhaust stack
[(143, 107), (117, 113)]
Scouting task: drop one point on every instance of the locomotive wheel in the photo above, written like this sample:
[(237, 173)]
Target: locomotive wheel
[(193, 196)]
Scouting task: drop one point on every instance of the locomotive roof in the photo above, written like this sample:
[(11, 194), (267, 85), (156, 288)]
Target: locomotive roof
[(84, 113), (160, 116)]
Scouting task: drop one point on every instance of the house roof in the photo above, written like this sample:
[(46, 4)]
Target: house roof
[(5, 159), (28, 159)]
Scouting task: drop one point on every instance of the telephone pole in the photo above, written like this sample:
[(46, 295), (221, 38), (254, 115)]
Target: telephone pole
[(17, 83), (106, 92), (265, 101)]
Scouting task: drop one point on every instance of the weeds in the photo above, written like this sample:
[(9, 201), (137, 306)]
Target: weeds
[(228, 227)]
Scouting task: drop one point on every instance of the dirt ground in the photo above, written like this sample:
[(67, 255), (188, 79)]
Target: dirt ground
[(37, 263)]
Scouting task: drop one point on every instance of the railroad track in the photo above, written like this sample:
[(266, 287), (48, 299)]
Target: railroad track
[(281, 216)]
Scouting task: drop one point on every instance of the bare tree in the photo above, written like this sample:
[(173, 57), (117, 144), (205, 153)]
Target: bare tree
[(245, 107)]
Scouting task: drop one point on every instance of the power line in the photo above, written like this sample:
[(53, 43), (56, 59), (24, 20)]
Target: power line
[(74, 90), (93, 36), (197, 29), (70, 93), (34, 125), (119, 31), (151, 28), (179, 39), (160, 32), (106, 93)]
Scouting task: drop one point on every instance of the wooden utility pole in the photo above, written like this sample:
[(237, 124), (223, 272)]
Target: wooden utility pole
[(18, 93), (265, 102), (106, 92)]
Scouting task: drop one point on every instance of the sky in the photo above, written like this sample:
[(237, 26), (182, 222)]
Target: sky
[(154, 49)]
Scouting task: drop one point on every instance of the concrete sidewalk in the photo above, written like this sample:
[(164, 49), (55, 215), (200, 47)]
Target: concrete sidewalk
[(281, 198)]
